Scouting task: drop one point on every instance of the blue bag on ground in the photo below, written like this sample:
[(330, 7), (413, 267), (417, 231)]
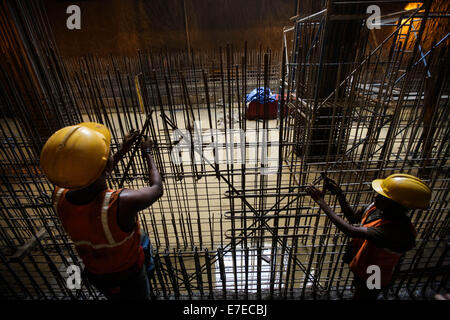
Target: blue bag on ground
[(258, 95)]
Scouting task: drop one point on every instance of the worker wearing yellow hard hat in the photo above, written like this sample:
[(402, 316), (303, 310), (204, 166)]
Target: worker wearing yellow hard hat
[(102, 222), (386, 231), (75, 156), (406, 190)]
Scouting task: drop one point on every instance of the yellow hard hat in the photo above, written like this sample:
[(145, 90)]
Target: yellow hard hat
[(407, 190), (75, 156)]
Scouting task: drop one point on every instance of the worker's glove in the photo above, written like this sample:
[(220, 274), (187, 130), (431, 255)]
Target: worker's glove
[(315, 193), (147, 145), (129, 139), (332, 186)]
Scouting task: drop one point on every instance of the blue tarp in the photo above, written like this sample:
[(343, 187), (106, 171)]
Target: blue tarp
[(258, 95)]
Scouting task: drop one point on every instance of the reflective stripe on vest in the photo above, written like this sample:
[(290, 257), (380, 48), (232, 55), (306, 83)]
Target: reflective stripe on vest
[(369, 210), (104, 216), (366, 253), (104, 219), (57, 197)]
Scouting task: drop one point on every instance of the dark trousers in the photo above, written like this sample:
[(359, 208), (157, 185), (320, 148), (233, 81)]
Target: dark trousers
[(134, 287)]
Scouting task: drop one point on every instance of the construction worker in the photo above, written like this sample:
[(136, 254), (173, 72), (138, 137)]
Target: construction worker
[(102, 223), (385, 233)]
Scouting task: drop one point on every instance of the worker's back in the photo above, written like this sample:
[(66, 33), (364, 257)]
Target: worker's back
[(388, 239), (93, 227)]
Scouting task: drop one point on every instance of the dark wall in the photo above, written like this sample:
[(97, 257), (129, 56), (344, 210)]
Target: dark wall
[(123, 26)]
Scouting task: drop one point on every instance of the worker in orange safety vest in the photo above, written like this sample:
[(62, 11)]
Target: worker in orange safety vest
[(102, 223), (385, 232)]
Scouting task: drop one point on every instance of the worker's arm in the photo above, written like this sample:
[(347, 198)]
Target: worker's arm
[(349, 213), (128, 142), (341, 224), (133, 201)]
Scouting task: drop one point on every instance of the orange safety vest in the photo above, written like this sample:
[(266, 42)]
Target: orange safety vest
[(368, 254), (101, 244)]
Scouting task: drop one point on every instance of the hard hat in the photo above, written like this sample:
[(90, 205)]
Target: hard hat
[(75, 156), (407, 190)]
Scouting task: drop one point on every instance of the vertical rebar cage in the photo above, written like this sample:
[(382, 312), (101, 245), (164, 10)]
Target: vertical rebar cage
[(234, 221)]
